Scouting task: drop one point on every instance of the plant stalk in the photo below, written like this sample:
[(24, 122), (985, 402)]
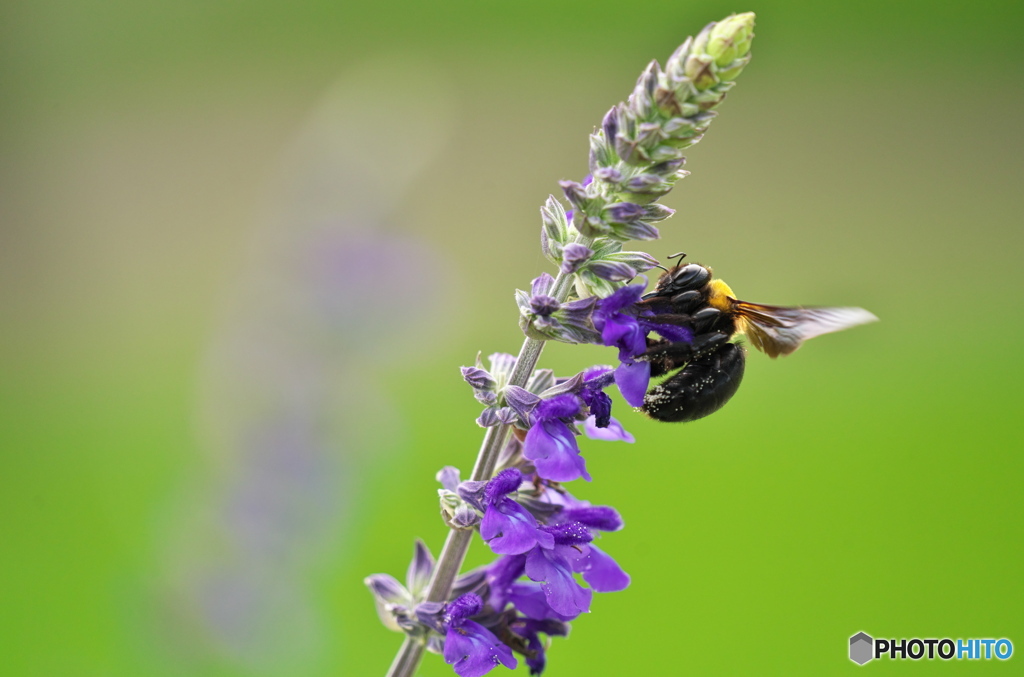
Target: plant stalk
[(449, 562)]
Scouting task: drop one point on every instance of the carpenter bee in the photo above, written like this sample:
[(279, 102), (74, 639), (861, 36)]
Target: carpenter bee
[(708, 369)]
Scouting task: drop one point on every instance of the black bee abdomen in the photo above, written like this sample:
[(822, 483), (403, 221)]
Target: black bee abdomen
[(700, 388)]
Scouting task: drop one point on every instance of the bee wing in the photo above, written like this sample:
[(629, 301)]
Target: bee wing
[(778, 330)]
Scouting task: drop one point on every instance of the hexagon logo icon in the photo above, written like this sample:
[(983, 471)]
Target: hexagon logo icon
[(861, 648)]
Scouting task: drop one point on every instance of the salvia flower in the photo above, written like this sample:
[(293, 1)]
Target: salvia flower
[(625, 326), (552, 416), (508, 527), (553, 569), (616, 319), (551, 445), (469, 647)]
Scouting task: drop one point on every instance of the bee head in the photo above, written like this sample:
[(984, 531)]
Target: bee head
[(681, 278)]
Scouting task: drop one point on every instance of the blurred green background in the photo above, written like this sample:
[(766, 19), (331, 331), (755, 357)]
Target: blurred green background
[(245, 246)]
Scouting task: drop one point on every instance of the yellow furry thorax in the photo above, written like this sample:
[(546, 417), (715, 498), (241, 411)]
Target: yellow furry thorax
[(719, 295)]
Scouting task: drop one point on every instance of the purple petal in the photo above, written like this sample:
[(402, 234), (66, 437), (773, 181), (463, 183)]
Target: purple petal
[(472, 491), (618, 328), (613, 432), (574, 254), (478, 378), (531, 601), (464, 607), (569, 534), (569, 385), (554, 453), (595, 371), (623, 212), (610, 124), (634, 343), (603, 573), (632, 380), (602, 517), (387, 589), (574, 193), (431, 614), (510, 529), (560, 406), (420, 568), (474, 651), (448, 476), (521, 400), (616, 271), (621, 298), (502, 484), (502, 363), (541, 285), (487, 418), (544, 305), (609, 174), (563, 593)]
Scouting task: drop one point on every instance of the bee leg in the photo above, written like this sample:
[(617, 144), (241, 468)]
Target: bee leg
[(660, 365), (700, 388), (687, 300), (681, 352), (706, 319)]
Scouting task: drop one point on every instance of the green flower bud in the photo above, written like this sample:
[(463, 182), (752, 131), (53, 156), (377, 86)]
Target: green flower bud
[(730, 39)]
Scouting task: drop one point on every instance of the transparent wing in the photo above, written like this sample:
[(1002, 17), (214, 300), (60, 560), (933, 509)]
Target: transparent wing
[(778, 330)]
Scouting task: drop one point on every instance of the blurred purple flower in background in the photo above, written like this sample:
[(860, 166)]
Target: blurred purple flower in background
[(289, 414)]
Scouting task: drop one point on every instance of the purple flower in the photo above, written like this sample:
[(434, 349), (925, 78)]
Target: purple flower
[(593, 395), (599, 570), (624, 326), (613, 432), (550, 442), (470, 648), (616, 318), (553, 569), (507, 526), (551, 445)]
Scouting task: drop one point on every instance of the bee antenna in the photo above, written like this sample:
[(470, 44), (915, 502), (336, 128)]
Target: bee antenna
[(660, 266), (679, 255)]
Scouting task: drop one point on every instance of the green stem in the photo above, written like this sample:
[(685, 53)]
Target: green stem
[(449, 562)]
